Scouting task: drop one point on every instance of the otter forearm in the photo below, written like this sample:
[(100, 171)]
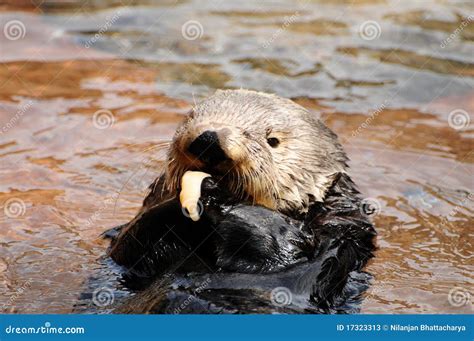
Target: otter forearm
[(240, 237), (346, 239), (250, 238), (153, 241), (254, 239)]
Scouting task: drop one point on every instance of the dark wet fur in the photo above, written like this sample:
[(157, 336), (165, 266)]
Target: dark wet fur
[(232, 259)]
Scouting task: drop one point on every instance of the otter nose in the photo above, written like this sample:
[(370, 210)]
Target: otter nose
[(206, 147)]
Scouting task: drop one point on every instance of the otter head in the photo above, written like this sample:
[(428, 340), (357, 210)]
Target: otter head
[(262, 147)]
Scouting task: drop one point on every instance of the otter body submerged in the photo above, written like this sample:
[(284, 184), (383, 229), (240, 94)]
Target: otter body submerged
[(279, 212)]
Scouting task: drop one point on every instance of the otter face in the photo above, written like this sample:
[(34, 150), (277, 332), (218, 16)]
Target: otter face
[(261, 147)]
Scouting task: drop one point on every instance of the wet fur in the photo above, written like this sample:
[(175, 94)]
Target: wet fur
[(288, 178), (320, 259), (295, 221)]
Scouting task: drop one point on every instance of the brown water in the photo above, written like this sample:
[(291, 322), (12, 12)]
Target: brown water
[(87, 92)]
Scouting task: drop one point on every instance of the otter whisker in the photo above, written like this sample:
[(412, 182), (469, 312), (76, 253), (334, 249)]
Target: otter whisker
[(238, 185), (243, 187), (125, 184), (159, 146)]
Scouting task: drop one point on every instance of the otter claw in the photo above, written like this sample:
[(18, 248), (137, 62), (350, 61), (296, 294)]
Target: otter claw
[(191, 192)]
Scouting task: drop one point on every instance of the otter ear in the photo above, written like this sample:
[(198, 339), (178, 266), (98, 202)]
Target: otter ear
[(331, 180), (322, 184)]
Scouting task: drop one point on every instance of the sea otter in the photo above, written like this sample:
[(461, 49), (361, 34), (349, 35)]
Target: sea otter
[(282, 228)]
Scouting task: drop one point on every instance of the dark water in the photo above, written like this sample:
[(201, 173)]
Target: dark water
[(88, 91)]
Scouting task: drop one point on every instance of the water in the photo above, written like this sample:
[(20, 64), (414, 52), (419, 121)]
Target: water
[(87, 93)]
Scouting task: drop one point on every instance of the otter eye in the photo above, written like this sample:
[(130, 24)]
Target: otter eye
[(273, 142)]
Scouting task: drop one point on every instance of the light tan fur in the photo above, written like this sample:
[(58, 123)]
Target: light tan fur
[(287, 178)]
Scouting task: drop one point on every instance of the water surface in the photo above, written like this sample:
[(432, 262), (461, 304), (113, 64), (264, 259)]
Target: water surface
[(88, 92)]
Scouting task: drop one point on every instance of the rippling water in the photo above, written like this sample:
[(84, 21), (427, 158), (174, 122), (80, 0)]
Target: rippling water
[(87, 93)]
